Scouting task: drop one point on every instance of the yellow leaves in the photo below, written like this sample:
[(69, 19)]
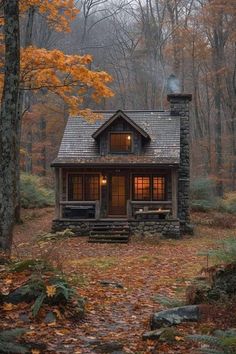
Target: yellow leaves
[(62, 332), (178, 338), (8, 307), (51, 290)]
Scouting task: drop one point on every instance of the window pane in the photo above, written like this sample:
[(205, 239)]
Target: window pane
[(158, 188), (142, 188), (75, 187), (91, 187), (120, 142)]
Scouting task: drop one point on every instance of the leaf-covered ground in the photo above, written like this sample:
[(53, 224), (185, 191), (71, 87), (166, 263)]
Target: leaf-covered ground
[(144, 268)]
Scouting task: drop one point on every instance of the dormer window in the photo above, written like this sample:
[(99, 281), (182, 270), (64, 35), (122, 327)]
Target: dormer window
[(120, 142)]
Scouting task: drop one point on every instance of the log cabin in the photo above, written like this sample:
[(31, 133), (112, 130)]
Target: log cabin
[(127, 173)]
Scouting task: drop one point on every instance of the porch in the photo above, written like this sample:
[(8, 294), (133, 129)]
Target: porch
[(127, 194)]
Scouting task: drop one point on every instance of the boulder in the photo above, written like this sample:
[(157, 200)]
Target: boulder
[(175, 316)]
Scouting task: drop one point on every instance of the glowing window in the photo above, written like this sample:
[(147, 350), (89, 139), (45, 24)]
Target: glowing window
[(120, 142)]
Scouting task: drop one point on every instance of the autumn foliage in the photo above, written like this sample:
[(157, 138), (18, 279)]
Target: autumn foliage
[(67, 76)]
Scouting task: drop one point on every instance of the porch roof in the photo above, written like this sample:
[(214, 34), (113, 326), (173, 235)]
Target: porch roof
[(78, 146)]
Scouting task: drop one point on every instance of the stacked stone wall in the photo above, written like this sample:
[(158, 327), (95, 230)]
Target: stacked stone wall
[(167, 228)]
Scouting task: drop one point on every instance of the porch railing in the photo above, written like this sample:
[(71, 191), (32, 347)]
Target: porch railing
[(133, 206), (80, 209)]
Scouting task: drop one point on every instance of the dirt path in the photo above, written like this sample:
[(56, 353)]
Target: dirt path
[(144, 269)]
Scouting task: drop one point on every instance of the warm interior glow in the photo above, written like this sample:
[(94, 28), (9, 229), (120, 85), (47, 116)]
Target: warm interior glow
[(104, 180)]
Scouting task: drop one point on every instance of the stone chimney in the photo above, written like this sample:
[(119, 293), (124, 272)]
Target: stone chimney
[(179, 106)]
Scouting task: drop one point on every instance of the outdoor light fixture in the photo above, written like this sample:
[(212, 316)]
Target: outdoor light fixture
[(104, 180), (129, 137)]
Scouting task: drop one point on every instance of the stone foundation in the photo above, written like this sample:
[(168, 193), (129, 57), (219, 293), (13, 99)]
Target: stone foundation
[(169, 228)]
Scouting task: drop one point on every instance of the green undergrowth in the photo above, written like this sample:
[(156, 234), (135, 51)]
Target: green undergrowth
[(222, 342), (204, 199), (33, 193)]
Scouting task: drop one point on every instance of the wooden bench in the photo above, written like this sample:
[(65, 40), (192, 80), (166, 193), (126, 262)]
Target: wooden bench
[(151, 214)]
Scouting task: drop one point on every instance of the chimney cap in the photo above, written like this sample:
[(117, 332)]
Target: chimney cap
[(179, 97)]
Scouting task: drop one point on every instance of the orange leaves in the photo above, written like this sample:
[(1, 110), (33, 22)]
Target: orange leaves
[(51, 290), (67, 76), (59, 13)]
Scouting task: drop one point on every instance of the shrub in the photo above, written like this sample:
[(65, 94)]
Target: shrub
[(226, 253), (228, 203), (204, 205), (202, 188), (33, 193), (203, 195)]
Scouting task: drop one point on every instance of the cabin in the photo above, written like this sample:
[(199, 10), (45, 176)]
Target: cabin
[(127, 173)]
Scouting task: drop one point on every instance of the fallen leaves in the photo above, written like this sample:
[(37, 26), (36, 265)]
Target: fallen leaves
[(145, 270), (51, 290)]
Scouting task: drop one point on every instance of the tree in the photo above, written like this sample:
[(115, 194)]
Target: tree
[(65, 76), (9, 122)]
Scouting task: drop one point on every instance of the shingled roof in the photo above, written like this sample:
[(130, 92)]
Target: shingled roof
[(78, 147)]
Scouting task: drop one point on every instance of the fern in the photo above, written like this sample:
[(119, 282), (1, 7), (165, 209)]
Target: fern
[(224, 342), (6, 347), (12, 333), (167, 301), (227, 252), (8, 344), (37, 304)]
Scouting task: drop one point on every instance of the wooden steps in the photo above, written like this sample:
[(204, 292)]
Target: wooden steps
[(110, 232)]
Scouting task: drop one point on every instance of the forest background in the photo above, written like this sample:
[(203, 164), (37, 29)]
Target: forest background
[(140, 44)]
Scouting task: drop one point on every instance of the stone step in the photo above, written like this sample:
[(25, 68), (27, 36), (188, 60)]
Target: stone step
[(109, 232), (107, 241), (109, 236)]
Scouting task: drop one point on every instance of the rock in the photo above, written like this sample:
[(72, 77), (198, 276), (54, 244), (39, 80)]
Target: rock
[(109, 347), (111, 283), (153, 334), (18, 296), (50, 318), (24, 318), (175, 316)]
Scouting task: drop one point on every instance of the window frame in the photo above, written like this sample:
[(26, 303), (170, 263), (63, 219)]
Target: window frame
[(84, 176), (151, 178), (121, 132)]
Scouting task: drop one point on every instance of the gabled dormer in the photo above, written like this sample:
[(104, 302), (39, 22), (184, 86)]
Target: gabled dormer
[(120, 135)]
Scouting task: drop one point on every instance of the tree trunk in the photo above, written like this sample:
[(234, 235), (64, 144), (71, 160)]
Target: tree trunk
[(9, 124), (27, 41)]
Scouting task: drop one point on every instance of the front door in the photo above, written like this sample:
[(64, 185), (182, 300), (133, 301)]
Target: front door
[(117, 195)]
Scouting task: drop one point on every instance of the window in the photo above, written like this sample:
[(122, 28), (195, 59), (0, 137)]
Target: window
[(75, 187), (142, 188), (120, 142), (149, 188), (91, 187), (158, 188), (83, 187)]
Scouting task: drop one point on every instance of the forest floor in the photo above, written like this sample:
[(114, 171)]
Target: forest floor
[(145, 268)]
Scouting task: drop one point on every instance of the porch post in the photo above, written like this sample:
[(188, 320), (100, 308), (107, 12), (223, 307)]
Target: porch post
[(174, 176), (57, 193)]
